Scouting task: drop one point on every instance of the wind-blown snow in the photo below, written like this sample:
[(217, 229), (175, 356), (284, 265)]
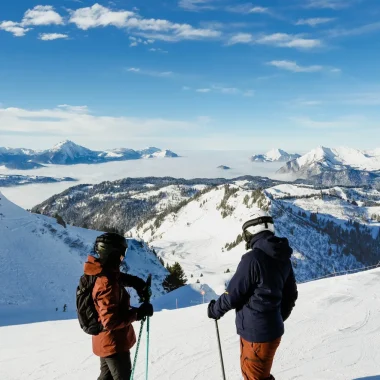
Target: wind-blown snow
[(333, 333)]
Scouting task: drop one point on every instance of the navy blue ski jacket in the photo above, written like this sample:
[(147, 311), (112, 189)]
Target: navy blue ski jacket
[(263, 290)]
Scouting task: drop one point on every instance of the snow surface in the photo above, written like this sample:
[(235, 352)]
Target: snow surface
[(333, 333)]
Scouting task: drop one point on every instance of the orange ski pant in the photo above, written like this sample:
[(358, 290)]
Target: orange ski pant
[(256, 359)]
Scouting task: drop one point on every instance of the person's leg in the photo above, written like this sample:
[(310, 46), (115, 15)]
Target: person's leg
[(257, 359), (105, 373), (120, 366)]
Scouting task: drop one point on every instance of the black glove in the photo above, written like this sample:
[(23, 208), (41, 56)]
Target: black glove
[(145, 310), (210, 310)]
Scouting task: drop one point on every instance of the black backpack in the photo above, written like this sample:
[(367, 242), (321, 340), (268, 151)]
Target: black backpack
[(87, 315)]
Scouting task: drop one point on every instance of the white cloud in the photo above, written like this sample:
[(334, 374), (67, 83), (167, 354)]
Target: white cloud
[(294, 67), (195, 5), (288, 40), (276, 39), (329, 4), (349, 121), (42, 15), (246, 9), (158, 50), (71, 122), (258, 10), (100, 16), (364, 29), (315, 21), (13, 27), (186, 88), (240, 38), (249, 93), (225, 91), (152, 73), (75, 109), (52, 36), (309, 103)]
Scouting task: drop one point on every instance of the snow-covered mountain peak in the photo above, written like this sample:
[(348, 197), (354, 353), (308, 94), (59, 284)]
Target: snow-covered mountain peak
[(275, 155), (70, 148), (341, 165)]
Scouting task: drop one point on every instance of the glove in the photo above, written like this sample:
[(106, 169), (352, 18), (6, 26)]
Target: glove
[(145, 310), (210, 310)]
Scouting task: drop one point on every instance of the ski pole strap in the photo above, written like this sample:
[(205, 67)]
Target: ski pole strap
[(220, 350), (137, 348)]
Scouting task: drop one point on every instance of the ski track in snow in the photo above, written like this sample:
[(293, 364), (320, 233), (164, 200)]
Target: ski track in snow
[(327, 337)]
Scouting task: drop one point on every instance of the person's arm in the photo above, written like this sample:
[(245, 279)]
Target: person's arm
[(289, 296), (136, 283), (238, 291), (107, 299)]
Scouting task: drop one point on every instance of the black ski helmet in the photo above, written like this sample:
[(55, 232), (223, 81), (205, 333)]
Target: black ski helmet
[(110, 246)]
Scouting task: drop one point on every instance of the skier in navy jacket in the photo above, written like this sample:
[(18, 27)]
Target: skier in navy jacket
[(263, 292)]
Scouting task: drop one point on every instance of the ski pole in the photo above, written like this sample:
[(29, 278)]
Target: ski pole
[(220, 350), (149, 284), (137, 349), (147, 347)]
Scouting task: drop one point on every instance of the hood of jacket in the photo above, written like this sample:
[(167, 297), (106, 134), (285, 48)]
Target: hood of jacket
[(275, 247)]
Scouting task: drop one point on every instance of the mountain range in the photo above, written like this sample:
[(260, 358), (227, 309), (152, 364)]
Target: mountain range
[(335, 166), (69, 153), (198, 222), (274, 155)]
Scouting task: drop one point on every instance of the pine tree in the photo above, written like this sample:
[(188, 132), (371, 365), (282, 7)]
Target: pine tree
[(60, 220), (161, 261), (176, 278)]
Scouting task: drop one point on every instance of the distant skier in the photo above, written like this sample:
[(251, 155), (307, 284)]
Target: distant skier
[(263, 291), (64, 308), (112, 302)]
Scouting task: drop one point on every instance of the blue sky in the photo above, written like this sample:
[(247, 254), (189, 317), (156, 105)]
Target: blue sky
[(190, 74)]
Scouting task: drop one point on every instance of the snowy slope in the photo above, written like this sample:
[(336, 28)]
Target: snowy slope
[(202, 235), (41, 261), (333, 333), (275, 155)]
